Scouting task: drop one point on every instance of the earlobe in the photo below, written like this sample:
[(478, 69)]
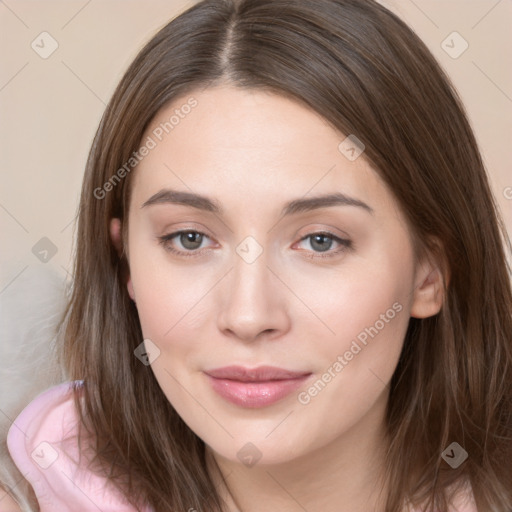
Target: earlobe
[(116, 237), (428, 293), (129, 286)]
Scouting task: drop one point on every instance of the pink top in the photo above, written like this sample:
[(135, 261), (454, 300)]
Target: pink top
[(36, 443)]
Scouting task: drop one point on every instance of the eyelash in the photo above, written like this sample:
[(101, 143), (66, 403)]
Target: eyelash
[(345, 244)]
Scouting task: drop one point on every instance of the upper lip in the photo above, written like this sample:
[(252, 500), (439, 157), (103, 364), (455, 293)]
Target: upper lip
[(260, 374)]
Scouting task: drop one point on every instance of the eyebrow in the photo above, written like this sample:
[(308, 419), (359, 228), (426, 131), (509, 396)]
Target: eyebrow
[(200, 202)]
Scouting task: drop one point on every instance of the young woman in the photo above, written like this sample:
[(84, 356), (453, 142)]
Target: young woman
[(291, 288)]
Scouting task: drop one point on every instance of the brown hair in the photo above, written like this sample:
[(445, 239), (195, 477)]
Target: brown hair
[(362, 69)]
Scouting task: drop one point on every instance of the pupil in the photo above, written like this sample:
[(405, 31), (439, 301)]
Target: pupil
[(190, 238), (322, 247)]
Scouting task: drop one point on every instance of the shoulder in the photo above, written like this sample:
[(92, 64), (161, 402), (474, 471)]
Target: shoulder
[(34, 436), (44, 414), (43, 443)]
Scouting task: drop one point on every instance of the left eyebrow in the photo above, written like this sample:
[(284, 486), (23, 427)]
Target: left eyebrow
[(295, 206), (316, 202)]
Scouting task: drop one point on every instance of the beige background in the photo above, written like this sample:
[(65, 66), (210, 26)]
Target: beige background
[(50, 109)]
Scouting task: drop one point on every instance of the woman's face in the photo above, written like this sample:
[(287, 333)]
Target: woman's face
[(268, 274)]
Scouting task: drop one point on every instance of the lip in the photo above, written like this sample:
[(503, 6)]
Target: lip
[(254, 387)]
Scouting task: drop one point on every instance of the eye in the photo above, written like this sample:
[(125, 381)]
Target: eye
[(323, 241), (189, 239)]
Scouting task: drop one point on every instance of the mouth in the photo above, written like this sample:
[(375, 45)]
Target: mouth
[(257, 387)]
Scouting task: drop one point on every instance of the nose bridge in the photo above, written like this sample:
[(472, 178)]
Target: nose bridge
[(252, 302), (250, 280)]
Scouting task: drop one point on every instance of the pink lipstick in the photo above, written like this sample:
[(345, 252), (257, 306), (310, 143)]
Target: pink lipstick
[(254, 387)]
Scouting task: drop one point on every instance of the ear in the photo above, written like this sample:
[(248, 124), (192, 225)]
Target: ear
[(117, 240), (429, 289)]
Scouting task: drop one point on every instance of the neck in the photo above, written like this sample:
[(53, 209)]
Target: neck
[(344, 475)]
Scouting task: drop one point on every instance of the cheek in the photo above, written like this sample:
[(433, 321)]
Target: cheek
[(366, 300), (172, 301), (363, 332), (356, 361)]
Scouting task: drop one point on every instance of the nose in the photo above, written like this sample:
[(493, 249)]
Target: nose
[(253, 301)]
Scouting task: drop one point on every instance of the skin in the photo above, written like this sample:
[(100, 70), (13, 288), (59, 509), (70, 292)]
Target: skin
[(7, 503), (252, 152)]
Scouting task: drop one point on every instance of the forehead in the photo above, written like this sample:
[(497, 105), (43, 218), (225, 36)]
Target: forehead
[(245, 145)]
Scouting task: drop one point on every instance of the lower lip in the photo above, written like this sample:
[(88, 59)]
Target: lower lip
[(255, 394)]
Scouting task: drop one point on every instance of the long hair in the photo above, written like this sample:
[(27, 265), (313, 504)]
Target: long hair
[(366, 72)]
